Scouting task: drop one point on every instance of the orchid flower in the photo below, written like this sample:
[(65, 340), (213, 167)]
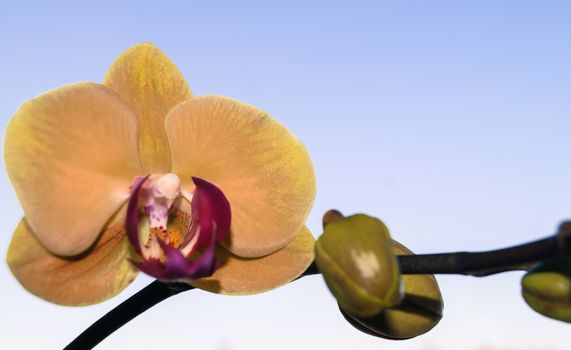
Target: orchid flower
[(136, 174)]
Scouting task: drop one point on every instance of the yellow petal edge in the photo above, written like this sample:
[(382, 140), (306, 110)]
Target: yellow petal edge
[(149, 82), (71, 155), (95, 277), (241, 276), (263, 170)]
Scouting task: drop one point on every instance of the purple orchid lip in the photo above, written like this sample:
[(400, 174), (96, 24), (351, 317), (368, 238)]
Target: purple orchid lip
[(210, 213), (209, 224)]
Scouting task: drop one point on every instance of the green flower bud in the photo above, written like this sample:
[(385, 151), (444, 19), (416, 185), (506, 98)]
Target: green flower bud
[(420, 310), (355, 256), (546, 288)]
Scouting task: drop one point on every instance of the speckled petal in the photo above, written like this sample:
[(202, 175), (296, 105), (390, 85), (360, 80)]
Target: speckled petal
[(240, 276), (151, 84), (263, 170), (93, 277), (71, 154)]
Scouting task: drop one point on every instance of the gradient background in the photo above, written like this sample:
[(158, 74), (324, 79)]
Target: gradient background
[(448, 120)]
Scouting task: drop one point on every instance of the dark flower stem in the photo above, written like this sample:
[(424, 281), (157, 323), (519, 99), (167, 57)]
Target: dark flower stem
[(480, 264), (466, 263), (140, 302)]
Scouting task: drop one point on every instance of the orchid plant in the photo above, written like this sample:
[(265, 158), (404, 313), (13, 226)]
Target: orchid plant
[(137, 174)]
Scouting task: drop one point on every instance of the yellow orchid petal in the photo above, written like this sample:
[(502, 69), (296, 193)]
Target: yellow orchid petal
[(239, 276), (263, 170), (151, 84), (71, 155), (101, 273)]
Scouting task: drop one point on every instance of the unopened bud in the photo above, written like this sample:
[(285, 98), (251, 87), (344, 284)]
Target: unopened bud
[(546, 288), (355, 256), (420, 310)]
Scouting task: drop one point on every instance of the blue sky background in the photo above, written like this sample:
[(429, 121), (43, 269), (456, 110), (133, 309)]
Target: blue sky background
[(448, 120)]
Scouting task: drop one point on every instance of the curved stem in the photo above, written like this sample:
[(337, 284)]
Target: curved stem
[(138, 303), (466, 263)]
